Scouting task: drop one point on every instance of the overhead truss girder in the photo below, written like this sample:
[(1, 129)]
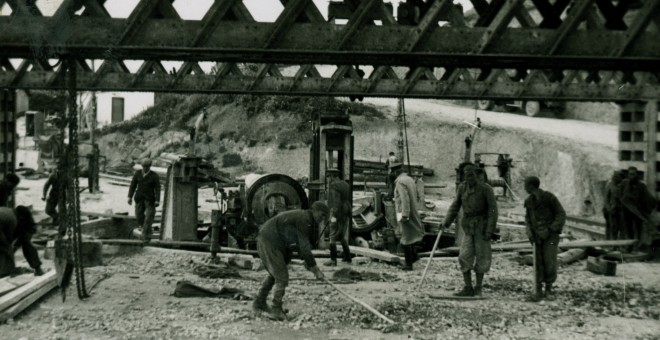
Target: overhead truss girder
[(383, 82), (95, 38), (577, 49)]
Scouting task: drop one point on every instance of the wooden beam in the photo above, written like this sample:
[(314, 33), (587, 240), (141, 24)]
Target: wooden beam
[(17, 295), (566, 245), (377, 254)]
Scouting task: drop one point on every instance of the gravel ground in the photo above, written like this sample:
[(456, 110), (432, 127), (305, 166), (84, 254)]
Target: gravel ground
[(136, 302)]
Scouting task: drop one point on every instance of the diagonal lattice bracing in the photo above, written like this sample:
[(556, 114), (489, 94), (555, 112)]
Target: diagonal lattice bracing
[(582, 49)]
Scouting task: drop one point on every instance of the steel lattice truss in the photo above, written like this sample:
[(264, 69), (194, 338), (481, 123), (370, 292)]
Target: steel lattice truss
[(572, 50)]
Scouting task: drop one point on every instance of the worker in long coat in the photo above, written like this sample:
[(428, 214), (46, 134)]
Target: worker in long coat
[(479, 222), (406, 197), (544, 220), (16, 229), (275, 242), (340, 204)]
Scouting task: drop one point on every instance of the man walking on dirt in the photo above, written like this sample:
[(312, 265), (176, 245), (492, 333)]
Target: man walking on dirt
[(544, 220), (52, 197), (340, 204), (410, 224), (145, 190), (638, 204), (479, 220), (274, 244)]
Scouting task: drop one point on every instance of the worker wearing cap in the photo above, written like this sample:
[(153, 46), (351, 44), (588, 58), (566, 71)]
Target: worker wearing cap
[(145, 190), (16, 229), (479, 220), (340, 204), (406, 198), (275, 242), (544, 219), (52, 198)]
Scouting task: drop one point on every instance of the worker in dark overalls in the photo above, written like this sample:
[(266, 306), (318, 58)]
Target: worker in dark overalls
[(340, 204), (52, 197), (275, 243)]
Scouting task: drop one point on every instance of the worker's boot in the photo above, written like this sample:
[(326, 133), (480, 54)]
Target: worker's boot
[(259, 304), (537, 295), (409, 256), (277, 313), (467, 289), (38, 271), (477, 288), (333, 256), (549, 293)]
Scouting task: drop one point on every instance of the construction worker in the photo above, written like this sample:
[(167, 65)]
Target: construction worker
[(7, 187), (479, 221), (391, 160), (612, 207), (340, 204), (52, 197), (638, 204), (16, 229), (274, 244), (145, 189), (410, 224), (544, 220)]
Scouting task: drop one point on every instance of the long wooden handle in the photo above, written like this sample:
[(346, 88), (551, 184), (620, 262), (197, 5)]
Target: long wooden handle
[(536, 283), (435, 245), (363, 304)]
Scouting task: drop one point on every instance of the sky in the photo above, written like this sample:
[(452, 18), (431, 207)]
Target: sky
[(262, 10)]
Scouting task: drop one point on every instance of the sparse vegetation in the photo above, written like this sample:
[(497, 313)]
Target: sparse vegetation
[(231, 159)]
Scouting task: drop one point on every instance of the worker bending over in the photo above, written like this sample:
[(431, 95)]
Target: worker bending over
[(16, 229), (274, 244)]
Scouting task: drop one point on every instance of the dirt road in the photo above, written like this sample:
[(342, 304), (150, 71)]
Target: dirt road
[(581, 131)]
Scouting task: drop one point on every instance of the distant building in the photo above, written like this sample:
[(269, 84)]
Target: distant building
[(115, 107)]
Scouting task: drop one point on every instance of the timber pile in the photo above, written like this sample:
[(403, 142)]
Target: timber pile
[(20, 298), (377, 172)]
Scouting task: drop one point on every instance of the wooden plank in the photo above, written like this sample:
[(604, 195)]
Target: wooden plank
[(7, 284), (453, 297), (28, 300), (565, 245), (571, 256), (377, 254), (16, 295)]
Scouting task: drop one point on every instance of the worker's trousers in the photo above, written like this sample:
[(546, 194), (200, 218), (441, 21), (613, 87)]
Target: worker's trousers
[(546, 259), (275, 262), (145, 211), (475, 253), (338, 231)]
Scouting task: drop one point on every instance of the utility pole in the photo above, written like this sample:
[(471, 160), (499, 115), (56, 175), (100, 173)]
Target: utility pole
[(399, 120), (94, 159)]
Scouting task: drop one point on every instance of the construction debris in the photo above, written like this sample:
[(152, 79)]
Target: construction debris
[(600, 266)]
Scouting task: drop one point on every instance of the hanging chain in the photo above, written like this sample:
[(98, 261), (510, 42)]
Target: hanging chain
[(73, 196)]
